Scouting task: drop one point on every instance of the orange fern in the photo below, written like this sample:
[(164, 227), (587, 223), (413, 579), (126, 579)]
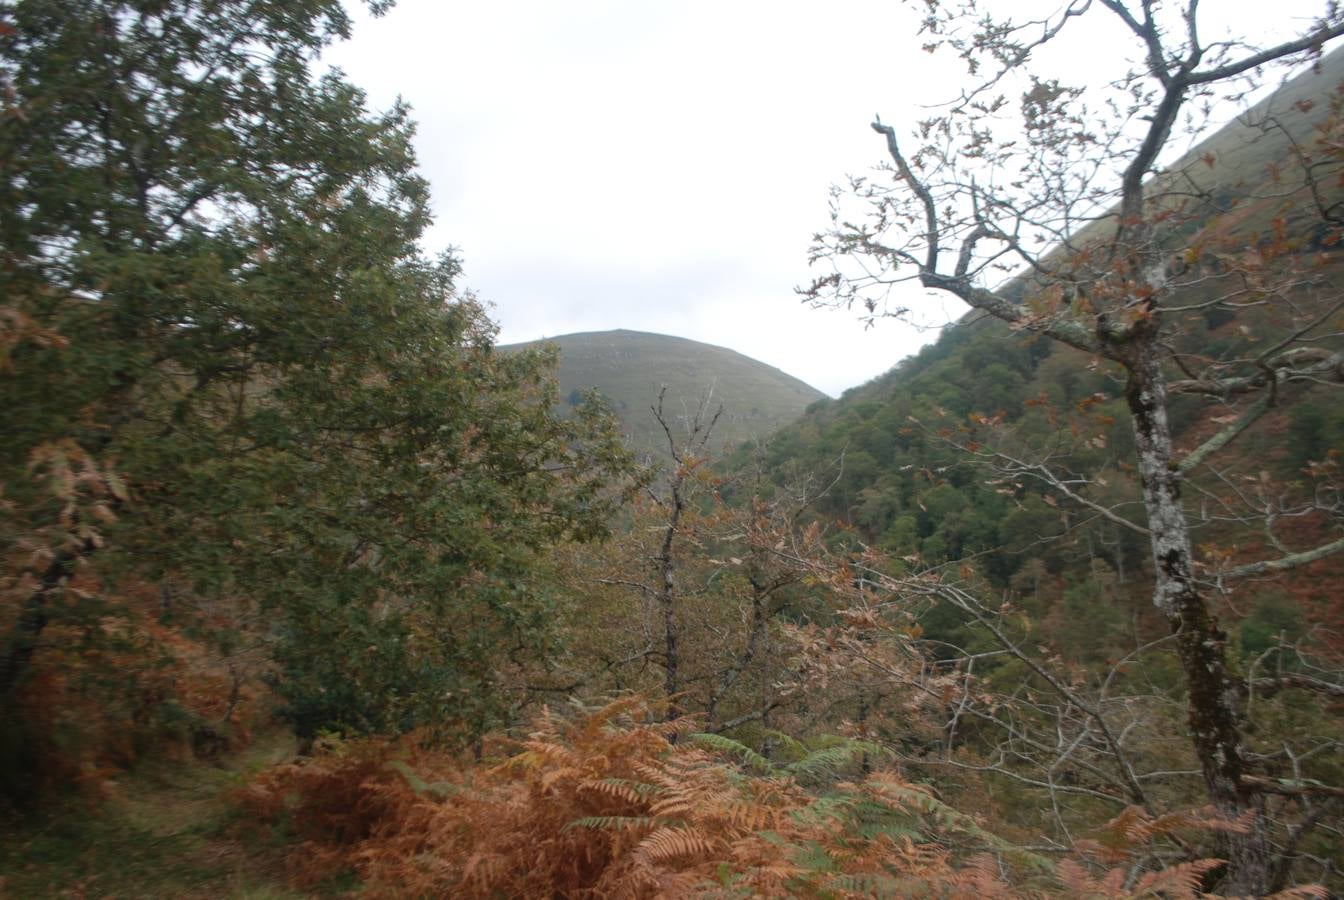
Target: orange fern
[(599, 805), (606, 805)]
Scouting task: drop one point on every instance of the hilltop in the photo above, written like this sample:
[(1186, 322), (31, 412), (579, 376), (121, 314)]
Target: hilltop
[(630, 367)]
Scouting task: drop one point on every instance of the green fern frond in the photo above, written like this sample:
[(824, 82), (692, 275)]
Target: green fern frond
[(828, 761), (791, 745), (834, 806), (617, 823), (891, 827), (728, 746), (812, 857), (914, 798), (441, 789)]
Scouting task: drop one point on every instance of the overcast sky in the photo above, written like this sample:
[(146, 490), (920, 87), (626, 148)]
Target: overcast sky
[(663, 166)]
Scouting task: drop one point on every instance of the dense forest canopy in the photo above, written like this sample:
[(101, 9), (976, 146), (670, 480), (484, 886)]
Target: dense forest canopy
[(1051, 609)]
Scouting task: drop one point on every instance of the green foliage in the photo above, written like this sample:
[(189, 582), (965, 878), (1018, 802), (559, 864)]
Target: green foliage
[(823, 763), (729, 747), (229, 365), (1276, 619), (161, 832), (1089, 622), (1315, 430)]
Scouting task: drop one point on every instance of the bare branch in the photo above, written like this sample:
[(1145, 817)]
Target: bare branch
[(967, 603), (1146, 31), (921, 191), (1226, 436), (1311, 42), (1289, 788), (1285, 367), (1284, 563), (1266, 687), (753, 716)]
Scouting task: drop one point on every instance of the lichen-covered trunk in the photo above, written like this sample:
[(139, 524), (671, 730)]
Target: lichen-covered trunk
[(1212, 700), (668, 603)]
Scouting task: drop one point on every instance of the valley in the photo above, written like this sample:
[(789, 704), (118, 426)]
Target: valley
[(311, 589)]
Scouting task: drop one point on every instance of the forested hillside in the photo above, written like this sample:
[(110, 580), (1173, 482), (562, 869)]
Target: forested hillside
[(1132, 446), (943, 456), (309, 590)]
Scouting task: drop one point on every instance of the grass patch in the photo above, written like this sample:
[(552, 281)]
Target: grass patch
[(165, 832)]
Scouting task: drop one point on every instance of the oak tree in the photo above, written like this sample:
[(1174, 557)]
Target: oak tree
[(228, 367)]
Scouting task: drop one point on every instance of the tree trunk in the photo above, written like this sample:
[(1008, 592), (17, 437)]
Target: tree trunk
[(667, 600), (22, 641), (1212, 702)]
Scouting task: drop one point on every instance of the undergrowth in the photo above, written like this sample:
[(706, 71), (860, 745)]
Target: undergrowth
[(612, 803), (163, 830)]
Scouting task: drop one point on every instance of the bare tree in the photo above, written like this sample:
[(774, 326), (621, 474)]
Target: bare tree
[(713, 579), (1117, 259), (688, 455)]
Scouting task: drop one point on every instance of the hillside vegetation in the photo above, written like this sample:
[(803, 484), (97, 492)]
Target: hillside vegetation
[(1134, 446), (630, 368), (309, 589), (898, 443)]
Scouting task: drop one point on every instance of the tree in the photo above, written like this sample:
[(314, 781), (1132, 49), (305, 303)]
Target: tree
[(689, 589), (228, 368), (1119, 260)]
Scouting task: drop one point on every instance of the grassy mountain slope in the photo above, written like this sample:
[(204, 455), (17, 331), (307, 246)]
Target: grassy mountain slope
[(630, 367)]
